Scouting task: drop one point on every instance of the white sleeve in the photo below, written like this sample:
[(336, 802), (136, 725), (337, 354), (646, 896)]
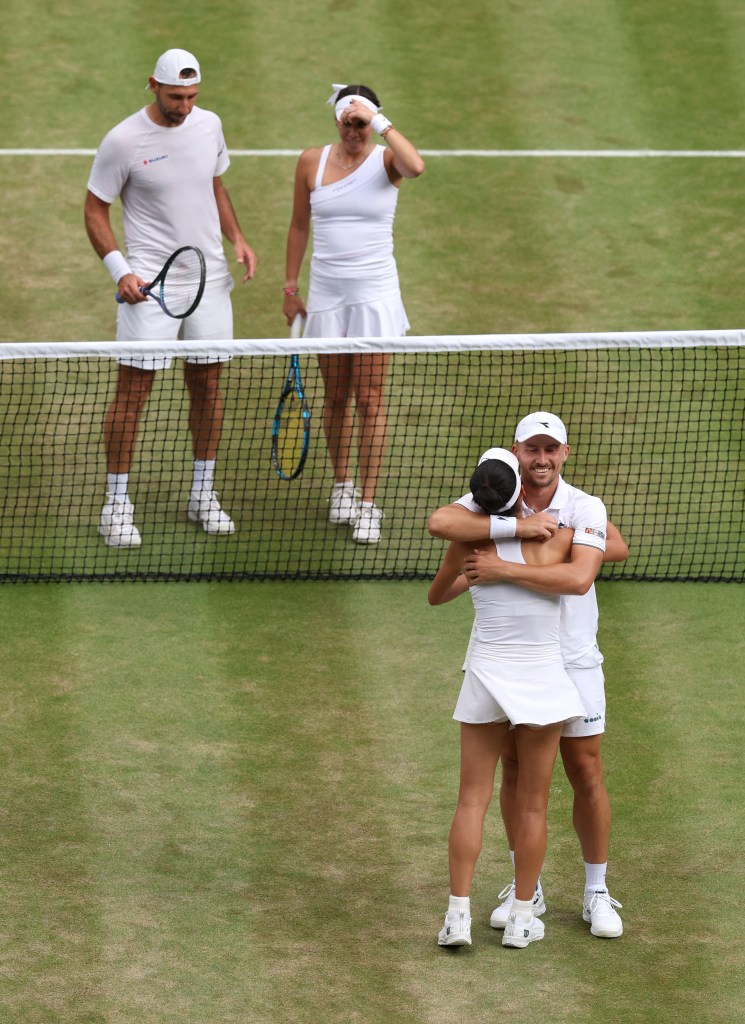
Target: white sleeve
[(110, 170), (589, 520)]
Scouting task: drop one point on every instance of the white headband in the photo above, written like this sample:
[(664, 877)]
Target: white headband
[(342, 104), (509, 459)]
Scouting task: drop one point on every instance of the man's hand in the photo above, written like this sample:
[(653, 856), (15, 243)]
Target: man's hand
[(483, 565), (541, 526)]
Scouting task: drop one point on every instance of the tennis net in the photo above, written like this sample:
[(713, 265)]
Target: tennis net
[(655, 424)]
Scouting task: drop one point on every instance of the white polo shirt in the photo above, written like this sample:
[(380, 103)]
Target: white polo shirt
[(586, 515)]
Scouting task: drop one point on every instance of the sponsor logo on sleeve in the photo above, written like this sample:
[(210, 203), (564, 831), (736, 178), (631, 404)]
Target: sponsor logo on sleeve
[(595, 533)]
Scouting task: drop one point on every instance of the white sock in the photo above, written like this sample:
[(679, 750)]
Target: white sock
[(523, 909), (458, 904), (204, 475), (595, 876), (116, 485)]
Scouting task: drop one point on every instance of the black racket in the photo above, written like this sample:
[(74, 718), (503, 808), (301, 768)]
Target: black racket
[(179, 286), (291, 427)]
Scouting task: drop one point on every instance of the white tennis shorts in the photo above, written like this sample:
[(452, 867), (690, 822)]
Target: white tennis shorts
[(590, 683), (212, 320)]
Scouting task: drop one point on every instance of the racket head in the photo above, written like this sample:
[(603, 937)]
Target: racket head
[(179, 286), (291, 426)]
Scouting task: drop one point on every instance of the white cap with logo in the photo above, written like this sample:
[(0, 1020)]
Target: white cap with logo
[(541, 423), (170, 66)]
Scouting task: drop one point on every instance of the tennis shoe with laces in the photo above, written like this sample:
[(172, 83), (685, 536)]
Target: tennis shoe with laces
[(599, 911), (205, 509), (519, 932), (367, 526), (343, 507), (501, 914), (116, 525), (456, 931)]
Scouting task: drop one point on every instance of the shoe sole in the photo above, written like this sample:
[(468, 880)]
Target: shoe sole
[(456, 940), (113, 542), (521, 943), (194, 518)]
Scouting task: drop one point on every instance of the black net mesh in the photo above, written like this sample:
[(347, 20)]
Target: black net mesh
[(656, 431)]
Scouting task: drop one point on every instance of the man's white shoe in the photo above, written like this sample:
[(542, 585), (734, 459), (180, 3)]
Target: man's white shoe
[(501, 914), (205, 509), (456, 931), (599, 911), (343, 504), (367, 526), (116, 525)]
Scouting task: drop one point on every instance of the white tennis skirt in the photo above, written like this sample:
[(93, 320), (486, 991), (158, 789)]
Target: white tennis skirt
[(355, 308), (526, 692)]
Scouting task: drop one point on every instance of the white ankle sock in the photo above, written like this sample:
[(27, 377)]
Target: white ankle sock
[(523, 908), (456, 904), (116, 485), (204, 475), (595, 876)]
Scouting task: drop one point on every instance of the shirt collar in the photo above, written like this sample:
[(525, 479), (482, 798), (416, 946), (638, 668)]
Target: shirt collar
[(558, 501)]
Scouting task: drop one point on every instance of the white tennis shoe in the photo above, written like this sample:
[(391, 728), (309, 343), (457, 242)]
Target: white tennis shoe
[(599, 911), (367, 527), (343, 506), (519, 932), (501, 914), (116, 525), (205, 509), (456, 931)]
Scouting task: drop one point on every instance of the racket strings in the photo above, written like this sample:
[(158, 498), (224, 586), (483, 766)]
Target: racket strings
[(182, 283)]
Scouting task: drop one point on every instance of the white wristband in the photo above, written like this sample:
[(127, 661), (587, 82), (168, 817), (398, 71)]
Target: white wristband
[(502, 527), (116, 265), (380, 122)]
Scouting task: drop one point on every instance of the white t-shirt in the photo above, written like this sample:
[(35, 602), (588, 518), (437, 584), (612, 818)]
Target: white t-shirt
[(586, 515), (164, 177)]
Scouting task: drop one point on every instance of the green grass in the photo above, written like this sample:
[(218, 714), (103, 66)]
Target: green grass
[(205, 819)]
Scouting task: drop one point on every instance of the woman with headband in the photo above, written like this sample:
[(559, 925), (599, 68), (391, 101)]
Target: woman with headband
[(514, 678), (349, 191)]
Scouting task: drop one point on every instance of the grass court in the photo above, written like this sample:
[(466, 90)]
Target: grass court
[(225, 803)]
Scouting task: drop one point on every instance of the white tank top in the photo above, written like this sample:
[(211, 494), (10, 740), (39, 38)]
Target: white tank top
[(353, 221), (514, 618)]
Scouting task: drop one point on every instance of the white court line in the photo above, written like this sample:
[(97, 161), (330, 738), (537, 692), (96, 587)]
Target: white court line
[(592, 154)]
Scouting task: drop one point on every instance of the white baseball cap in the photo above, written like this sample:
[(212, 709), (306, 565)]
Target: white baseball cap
[(541, 423), (170, 64), (504, 456)]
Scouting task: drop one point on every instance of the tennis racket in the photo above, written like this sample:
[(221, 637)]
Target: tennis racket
[(179, 286), (291, 427)]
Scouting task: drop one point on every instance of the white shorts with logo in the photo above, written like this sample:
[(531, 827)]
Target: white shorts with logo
[(212, 320), (590, 683)]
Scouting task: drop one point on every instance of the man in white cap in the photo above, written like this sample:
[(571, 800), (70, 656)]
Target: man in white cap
[(549, 502), (165, 163)]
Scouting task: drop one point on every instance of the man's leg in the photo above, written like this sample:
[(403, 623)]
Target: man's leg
[(121, 426), (205, 424), (591, 815)]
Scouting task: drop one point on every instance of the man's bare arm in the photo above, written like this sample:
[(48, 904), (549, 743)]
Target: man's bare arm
[(454, 522), (573, 577)]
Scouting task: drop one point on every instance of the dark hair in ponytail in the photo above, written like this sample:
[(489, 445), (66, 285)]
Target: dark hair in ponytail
[(492, 485)]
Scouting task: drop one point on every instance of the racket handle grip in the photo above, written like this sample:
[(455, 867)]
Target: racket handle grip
[(145, 291)]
